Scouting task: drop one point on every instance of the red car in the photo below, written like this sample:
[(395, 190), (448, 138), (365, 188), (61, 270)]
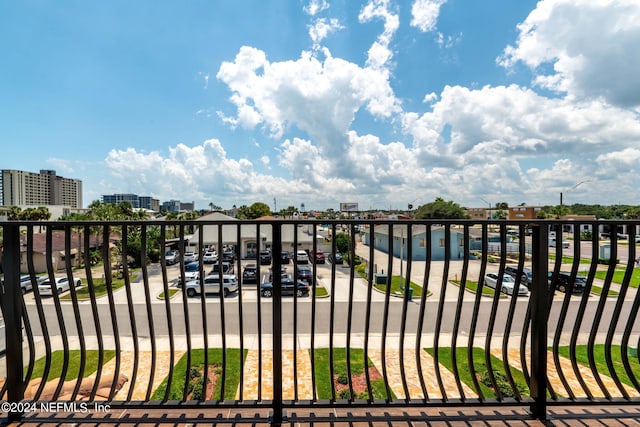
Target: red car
[(318, 257)]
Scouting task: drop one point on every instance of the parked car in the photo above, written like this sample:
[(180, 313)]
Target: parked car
[(25, 282), (288, 288), (304, 272), (228, 256), (190, 257), (318, 256), (507, 286), (283, 273), (553, 242), (302, 257), (212, 285), (285, 257), (210, 257), (265, 257), (250, 274), (563, 282), (227, 268), (171, 257), (60, 285), (191, 271), (335, 258), (526, 274)]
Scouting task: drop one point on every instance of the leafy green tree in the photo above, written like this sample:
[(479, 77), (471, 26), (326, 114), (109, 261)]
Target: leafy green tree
[(342, 242), (441, 209), (290, 211), (259, 209)]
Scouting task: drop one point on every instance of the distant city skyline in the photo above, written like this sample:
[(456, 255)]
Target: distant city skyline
[(382, 103)]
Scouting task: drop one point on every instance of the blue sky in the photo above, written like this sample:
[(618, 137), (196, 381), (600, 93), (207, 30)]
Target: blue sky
[(382, 103)]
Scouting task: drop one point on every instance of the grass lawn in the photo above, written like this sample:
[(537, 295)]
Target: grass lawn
[(569, 260), (172, 292), (598, 291), (445, 358), (321, 291), (601, 364), (473, 286), (57, 358), (99, 286), (618, 276), (397, 287), (322, 374), (232, 374)]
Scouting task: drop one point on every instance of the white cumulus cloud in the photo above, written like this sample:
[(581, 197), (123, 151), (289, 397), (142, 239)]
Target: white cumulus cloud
[(589, 45)]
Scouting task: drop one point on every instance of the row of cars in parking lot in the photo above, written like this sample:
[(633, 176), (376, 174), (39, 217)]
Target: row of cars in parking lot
[(46, 286), (562, 282), (297, 283)]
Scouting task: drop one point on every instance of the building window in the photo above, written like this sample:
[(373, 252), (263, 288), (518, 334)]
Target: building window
[(441, 243), (422, 242)]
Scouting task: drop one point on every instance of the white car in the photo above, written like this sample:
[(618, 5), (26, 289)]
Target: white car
[(302, 257), (212, 285), (61, 285), (507, 286), (210, 257), (190, 257)]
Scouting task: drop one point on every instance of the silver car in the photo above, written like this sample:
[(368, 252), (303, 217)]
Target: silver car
[(507, 286), (212, 285)]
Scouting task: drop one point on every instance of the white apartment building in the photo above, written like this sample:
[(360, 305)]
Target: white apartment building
[(21, 188)]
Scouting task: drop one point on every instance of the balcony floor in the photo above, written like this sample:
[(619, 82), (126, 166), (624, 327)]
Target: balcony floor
[(449, 417)]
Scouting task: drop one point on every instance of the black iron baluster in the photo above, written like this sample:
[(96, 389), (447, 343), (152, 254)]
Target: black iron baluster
[(633, 314), (295, 312), (240, 314), (598, 316), (385, 316), (580, 315), (203, 311), (167, 307), (132, 317), (313, 328), (12, 308), (59, 315), (539, 315), (440, 310), (423, 306), (106, 232), (223, 330), (147, 301), (405, 303), (185, 306), (43, 323), (274, 273), (476, 312), (277, 415), (76, 310), (458, 316), (615, 318), (94, 308), (352, 257), (331, 320), (510, 316)]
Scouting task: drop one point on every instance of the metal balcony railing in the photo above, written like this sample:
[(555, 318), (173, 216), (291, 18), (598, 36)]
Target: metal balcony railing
[(417, 314)]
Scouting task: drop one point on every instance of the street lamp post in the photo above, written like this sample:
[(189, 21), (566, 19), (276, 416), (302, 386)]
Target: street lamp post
[(572, 188)]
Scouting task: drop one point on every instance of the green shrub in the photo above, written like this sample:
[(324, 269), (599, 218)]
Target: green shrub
[(502, 383), (343, 379), (198, 390), (345, 393), (194, 373)]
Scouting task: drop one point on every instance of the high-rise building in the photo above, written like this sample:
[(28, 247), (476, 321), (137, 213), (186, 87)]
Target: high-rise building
[(137, 202), (21, 188)]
